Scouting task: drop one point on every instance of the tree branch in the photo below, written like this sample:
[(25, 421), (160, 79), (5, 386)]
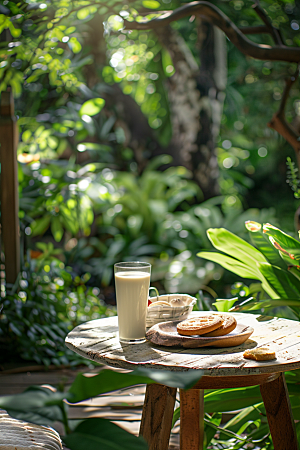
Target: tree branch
[(215, 16), (273, 31), (279, 123), (259, 29)]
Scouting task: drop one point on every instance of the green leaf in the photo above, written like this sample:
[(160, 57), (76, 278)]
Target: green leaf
[(247, 414), (263, 244), (234, 246), (278, 279), (57, 229), (15, 329), (108, 380), (83, 13), (240, 268), (288, 258), (182, 380), (96, 434), (295, 404), (260, 433), (151, 4), (295, 271), (298, 431), (39, 226), (235, 266), (210, 426), (252, 304), (68, 222), (176, 416), (15, 32), (224, 400), (283, 239), (167, 62), (92, 107), (158, 161), (26, 136), (37, 404), (225, 305), (75, 45)]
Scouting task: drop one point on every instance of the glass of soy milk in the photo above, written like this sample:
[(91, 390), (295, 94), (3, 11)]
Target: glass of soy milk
[(132, 287)]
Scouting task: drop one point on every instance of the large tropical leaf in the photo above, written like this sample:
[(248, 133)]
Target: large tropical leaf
[(240, 269), (211, 424), (284, 240), (232, 264), (295, 271), (263, 244), (223, 400), (251, 413), (286, 256), (293, 280), (253, 305), (107, 380), (279, 280), (260, 434), (249, 422), (295, 402), (36, 404), (287, 246), (234, 246), (100, 434), (44, 405), (224, 305)]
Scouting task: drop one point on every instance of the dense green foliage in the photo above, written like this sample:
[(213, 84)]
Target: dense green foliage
[(49, 302), (66, 101), (65, 89), (45, 406), (88, 196), (91, 194), (272, 261)]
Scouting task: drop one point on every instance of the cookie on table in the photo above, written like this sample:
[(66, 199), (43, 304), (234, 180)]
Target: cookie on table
[(260, 354), (199, 325), (228, 325)]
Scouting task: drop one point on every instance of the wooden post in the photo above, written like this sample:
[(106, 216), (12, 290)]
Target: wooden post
[(191, 419), (278, 408), (9, 187), (157, 416)]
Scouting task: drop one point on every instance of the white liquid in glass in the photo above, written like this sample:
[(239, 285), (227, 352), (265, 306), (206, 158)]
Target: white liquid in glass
[(132, 289)]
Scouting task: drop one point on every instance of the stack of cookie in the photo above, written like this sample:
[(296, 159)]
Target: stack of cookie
[(212, 325)]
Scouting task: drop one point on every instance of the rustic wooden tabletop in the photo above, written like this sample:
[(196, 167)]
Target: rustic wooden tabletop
[(98, 340)]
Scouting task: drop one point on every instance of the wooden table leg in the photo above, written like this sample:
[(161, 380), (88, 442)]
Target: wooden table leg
[(157, 416), (191, 419), (277, 403)]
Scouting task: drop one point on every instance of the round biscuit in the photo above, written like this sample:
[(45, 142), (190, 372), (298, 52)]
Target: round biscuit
[(199, 325), (228, 325)]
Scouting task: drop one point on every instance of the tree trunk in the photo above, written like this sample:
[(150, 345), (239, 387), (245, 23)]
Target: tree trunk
[(211, 82), (196, 98)]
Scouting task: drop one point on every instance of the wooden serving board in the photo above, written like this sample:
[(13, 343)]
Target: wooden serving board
[(166, 334)]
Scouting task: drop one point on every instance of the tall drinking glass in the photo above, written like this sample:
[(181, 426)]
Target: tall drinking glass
[(132, 287)]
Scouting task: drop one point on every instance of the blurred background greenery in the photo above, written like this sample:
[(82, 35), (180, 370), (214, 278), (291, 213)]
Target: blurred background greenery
[(132, 145)]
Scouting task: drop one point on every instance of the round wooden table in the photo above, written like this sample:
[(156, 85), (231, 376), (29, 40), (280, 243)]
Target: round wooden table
[(223, 368)]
